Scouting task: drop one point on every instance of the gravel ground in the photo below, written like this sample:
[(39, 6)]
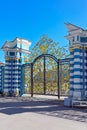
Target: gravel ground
[(49, 107)]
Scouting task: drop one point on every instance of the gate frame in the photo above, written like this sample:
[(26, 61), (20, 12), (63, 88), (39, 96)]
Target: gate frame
[(58, 61)]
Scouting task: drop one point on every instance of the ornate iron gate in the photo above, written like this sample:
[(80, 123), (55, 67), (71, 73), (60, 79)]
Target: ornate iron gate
[(44, 76)]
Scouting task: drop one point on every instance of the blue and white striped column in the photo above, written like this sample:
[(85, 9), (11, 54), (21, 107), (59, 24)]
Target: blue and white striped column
[(78, 72), (77, 75), (1, 78), (77, 37), (71, 71), (84, 93), (12, 78), (14, 52)]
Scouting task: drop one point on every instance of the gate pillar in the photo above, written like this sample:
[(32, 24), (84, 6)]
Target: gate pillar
[(78, 62), (14, 51), (1, 77)]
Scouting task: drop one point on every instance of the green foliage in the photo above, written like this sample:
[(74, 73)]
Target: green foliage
[(47, 45), (27, 79)]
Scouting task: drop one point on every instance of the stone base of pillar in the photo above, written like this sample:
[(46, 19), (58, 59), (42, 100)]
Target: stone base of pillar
[(68, 102), (11, 94)]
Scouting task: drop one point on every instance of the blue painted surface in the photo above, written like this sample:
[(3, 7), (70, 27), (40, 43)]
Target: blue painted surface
[(83, 39)]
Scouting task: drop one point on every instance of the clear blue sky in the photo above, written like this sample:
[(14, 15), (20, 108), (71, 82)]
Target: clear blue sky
[(30, 19)]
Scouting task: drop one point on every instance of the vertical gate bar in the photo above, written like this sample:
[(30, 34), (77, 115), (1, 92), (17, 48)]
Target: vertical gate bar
[(31, 79), (44, 76), (58, 79)]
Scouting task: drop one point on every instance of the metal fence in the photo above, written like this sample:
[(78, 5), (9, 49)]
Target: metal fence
[(46, 75)]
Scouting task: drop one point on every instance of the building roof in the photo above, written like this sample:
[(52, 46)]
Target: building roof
[(72, 27), (12, 45)]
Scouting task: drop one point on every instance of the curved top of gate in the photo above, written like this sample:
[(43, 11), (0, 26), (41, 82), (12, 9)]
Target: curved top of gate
[(45, 55)]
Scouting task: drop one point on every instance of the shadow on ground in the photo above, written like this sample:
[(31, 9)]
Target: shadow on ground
[(48, 107)]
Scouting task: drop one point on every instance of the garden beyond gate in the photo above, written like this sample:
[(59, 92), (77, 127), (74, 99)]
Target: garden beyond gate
[(46, 75)]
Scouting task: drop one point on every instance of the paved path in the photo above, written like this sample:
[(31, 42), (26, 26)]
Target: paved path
[(26, 113)]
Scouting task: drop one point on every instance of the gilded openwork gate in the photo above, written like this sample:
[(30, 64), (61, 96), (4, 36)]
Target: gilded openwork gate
[(46, 75)]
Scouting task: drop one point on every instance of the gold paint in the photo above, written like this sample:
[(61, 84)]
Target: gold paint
[(10, 58)]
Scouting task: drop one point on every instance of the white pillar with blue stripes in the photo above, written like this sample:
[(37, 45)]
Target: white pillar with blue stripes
[(1, 77), (78, 62), (14, 52)]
